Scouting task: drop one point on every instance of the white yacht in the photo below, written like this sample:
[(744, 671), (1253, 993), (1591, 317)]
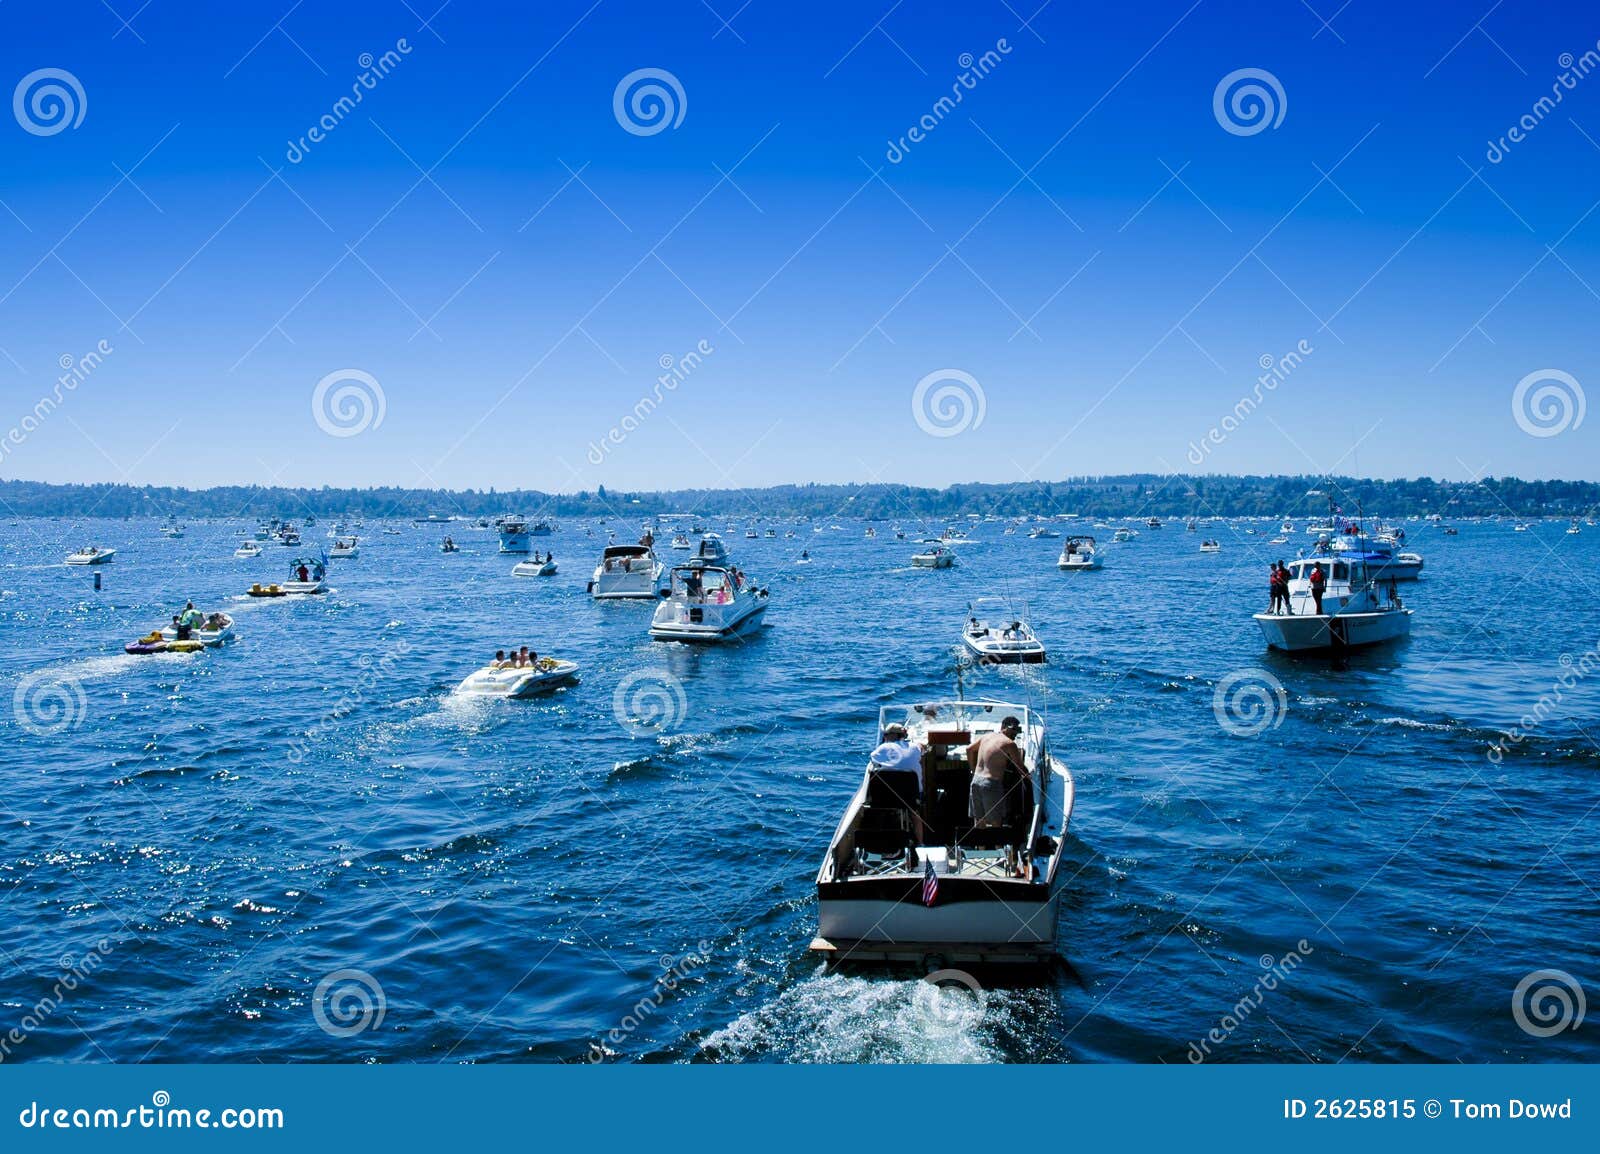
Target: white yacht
[(908, 875), (515, 536), (681, 541), (1078, 552), (90, 555), (526, 681), (935, 556), (626, 571), (711, 551), (1004, 640), (1356, 609), (707, 603)]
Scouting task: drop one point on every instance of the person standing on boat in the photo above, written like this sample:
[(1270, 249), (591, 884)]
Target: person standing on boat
[(1319, 582), (990, 757), (1279, 582)]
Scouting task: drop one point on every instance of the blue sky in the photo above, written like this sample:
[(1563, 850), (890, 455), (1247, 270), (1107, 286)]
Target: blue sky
[(1081, 236)]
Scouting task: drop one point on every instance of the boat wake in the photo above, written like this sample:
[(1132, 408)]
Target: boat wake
[(846, 1018)]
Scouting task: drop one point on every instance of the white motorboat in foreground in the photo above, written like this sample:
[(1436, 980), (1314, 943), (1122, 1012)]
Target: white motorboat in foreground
[(536, 567), (90, 556), (1078, 552), (908, 874), (524, 681), (707, 603), (1011, 643), (626, 571), (935, 556), (1357, 610)]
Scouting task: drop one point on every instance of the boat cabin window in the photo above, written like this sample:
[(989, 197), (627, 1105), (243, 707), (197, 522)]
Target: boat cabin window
[(1341, 571)]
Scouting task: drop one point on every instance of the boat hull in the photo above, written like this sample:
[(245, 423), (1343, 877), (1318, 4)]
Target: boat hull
[(1006, 653), (891, 914), (641, 585), (708, 632), (1299, 633)]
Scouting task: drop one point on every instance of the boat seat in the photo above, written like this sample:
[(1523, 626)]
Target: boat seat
[(883, 831), (894, 788), (990, 837)]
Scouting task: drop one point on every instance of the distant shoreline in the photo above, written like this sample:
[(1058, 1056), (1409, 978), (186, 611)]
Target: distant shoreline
[(1131, 495)]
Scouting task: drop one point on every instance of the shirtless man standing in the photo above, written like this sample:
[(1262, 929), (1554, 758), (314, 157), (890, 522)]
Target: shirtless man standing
[(989, 757)]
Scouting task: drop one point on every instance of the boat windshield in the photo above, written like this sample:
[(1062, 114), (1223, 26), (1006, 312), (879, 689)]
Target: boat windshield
[(701, 586)]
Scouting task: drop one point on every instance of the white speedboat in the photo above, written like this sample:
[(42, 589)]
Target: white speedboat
[(90, 555), (306, 577), (218, 628), (711, 551), (1210, 546), (1572, 529), (908, 875), (994, 643), (955, 536), (1357, 610), (707, 603), (448, 545), (534, 568), (770, 534), (514, 535), (1078, 552), (626, 571), (248, 550), (345, 548), (1124, 534), (526, 681), (681, 541), (935, 556), (1043, 531)]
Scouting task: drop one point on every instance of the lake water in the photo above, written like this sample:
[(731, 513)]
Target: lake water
[(191, 845)]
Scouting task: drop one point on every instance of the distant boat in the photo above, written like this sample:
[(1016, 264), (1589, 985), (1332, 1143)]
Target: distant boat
[(90, 556)]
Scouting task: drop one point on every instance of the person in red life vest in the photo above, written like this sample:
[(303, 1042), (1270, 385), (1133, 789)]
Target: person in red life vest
[(1279, 586), (1319, 582)]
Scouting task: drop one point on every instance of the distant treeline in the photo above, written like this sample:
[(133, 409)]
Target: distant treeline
[(1134, 495)]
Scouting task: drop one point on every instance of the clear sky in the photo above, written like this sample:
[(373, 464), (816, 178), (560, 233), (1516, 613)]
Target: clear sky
[(509, 250)]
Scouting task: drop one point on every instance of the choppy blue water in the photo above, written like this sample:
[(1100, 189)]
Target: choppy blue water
[(198, 841)]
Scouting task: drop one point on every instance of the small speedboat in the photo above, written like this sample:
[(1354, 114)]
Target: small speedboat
[(1209, 546), (907, 874), (707, 603), (1078, 552), (681, 541), (1011, 644), (217, 629), (525, 681), (935, 556), (804, 558), (1124, 535), (90, 556), (1043, 531), (534, 568), (449, 546), (248, 550), (313, 582), (345, 548)]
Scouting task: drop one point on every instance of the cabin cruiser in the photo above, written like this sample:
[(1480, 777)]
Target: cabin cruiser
[(345, 548), (908, 874), (711, 552), (1011, 644), (626, 571), (935, 556), (173, 531), (514, 535), (1210, 546), (496, 680), (954, 536), (1078, 552), (770, 534), (1357, 609), (707, 603), (1383, 563), (247, 550), (1152, 523), (535, 567), (90, 555), (306, 576)]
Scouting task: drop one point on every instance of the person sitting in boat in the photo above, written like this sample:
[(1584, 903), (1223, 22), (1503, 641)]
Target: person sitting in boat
[(805, 555), (1013, 632), (499, 661), (214, 622), (181, 629), (992, 757)]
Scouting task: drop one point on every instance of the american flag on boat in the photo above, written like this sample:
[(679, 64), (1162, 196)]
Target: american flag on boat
[(930, 886)]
